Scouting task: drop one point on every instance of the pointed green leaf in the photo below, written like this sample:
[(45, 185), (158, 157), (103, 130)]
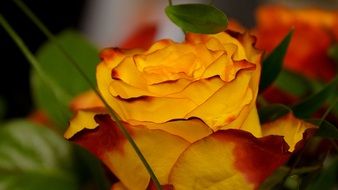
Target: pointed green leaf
[(57, 66), (34, 158), (272, 112), (293, 83), (273, 64), (197, 18), (311, 104)]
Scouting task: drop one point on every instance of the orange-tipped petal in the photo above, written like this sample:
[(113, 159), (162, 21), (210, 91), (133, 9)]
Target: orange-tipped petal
[(230, 159), (291, 128), (160, 149)]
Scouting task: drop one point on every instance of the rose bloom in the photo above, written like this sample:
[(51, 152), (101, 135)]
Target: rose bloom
[(315, 31), (190, 107)]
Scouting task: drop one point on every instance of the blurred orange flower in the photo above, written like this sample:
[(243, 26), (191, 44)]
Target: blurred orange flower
[(314, 31)]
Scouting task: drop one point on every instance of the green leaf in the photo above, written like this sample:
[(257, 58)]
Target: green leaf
[(272, 112), (90, 169), (333, 52), (274, 179), (311, 104), (327, 179), (197, 18), (34, 158), (293, 83), (57, 66), (326, 129), (273, 64)]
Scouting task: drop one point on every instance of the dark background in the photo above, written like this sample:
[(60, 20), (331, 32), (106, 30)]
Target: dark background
[(14, 72)]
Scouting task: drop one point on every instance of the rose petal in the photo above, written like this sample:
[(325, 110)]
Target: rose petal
[(118, 186), (185, 94), (190, 130), (231, 159), (249, 122), (83, 119), (160, 149), (231, 99), (214, 43), (289, 127)]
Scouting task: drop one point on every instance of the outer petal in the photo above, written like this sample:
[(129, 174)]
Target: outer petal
[(160, 149), (289, 127), (251, 122), (231, 159), (83, 119), (190, 130), (118, 186)]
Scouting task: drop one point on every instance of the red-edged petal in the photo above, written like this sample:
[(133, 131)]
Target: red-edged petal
[(230, 159)]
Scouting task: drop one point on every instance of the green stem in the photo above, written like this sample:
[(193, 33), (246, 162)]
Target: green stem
[(170, 2), (57, 91), (112, 113)]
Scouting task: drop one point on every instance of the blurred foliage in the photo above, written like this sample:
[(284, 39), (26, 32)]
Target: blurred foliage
[(59, 68), (308, 106), (34, 158), (273, 63), (272, 112)]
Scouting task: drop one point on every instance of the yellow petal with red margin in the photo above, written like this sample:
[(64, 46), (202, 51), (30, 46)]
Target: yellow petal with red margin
[(289, 127), (160, 149), (230, 159)]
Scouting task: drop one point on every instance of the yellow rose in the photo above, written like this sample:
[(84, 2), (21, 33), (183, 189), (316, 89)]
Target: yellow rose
[(210, 77), (183, 104)]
